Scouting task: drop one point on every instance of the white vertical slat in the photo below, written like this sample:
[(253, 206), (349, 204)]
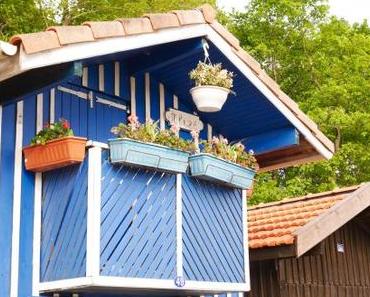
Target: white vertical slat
[(117, 79), (245, 238), (93, 212), (209, 132), (133, 95), (52, 105), (179, 255), (175, 102), (162, 108), (37, 209), (17, 188), (85, 76), (101, 77), (147, 97)]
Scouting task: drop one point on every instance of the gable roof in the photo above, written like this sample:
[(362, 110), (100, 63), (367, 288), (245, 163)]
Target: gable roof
[(61, 44), (305, 221)]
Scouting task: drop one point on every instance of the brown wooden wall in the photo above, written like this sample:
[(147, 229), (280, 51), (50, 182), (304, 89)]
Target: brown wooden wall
[(329, 274)]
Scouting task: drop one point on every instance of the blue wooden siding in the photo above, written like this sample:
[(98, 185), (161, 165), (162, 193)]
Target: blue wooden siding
[(212, 232), (138, 231), (63, 236)]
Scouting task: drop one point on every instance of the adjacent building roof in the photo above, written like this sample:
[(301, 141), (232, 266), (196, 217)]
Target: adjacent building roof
[(59, 44), (305, 220)]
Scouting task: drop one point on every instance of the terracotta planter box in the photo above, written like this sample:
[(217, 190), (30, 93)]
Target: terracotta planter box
[(54, 154)]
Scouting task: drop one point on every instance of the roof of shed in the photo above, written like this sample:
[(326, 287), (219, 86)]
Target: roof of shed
[(39, 45), (280, 223)]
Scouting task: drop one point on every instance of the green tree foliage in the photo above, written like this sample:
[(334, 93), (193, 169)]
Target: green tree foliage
[(324, 64), (24, 16)]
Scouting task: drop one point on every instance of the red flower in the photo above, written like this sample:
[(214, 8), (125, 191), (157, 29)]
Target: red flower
[(65, 124)]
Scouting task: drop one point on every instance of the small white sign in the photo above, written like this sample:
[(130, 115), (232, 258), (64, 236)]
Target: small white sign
[(184, 120), (340, 247)]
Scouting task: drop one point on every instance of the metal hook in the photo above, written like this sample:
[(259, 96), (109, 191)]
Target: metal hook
[(205, 46)]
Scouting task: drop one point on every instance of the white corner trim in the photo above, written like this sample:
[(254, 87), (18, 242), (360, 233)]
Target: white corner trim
[(37, 210), (52, 105), (162, 108), (101, 77), (179, 248), (85, 76), (17, 191), (93, 212), (245, 240), (175, 102), (147, 97), (124, 283), (133, 95), (92, 143), (248, 73), (117, 78), (209, 132)]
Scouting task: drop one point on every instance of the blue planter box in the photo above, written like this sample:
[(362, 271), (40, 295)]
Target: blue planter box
[(209, 167), (149, 155)]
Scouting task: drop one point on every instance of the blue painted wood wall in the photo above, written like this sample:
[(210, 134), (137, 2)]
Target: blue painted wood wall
[(93, 123)]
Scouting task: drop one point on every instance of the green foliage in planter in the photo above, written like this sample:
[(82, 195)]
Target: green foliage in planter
[(150, 132), (53, 131), (220, 147), (212, 75)]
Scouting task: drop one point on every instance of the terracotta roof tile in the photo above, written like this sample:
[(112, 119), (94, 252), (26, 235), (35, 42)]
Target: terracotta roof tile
[(274, 224), (72, 34), (136, 25), (106, 29), (163, 20), (189, 17), (209, 13), (36, 42), (230, 38)]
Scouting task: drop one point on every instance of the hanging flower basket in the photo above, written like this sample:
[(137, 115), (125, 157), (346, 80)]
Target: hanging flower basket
[(209, 167), (209, 98), (213, 85), (54, 154), (149, 155)]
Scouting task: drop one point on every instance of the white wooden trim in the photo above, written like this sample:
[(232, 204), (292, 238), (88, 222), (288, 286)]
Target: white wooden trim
[(225, 48), (245, 239), (124, 283), (209, 132), (117, 78), (175, 102), (110, 103), (106, 46), (79, 94), (93, 212), (52, 105), (147, 97), (91, 143), (37, 209), (179, 248), (133, 95), (101, 77), (85, 76), (162, 108), (17, 191)]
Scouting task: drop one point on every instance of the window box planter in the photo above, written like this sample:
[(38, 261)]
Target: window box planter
[(150, 155), (209, 98), (209, 167), (54, 154)]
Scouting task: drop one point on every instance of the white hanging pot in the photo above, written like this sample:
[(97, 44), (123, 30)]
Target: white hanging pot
[(209, 98)]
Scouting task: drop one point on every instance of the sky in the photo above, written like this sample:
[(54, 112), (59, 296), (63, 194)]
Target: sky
[(351, 10)]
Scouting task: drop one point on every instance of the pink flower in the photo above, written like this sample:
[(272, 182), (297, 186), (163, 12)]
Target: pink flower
[(194, 134), (133, 119), (215, 140), (175, 129)]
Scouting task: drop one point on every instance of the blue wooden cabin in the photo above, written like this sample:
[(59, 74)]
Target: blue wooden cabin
[(98, 229)]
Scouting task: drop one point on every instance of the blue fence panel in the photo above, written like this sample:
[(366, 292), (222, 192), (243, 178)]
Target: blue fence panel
[(212, 232), (63, 236), (138, 231)]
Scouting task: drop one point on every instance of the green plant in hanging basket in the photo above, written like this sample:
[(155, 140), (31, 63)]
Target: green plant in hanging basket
[(207, 74)]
